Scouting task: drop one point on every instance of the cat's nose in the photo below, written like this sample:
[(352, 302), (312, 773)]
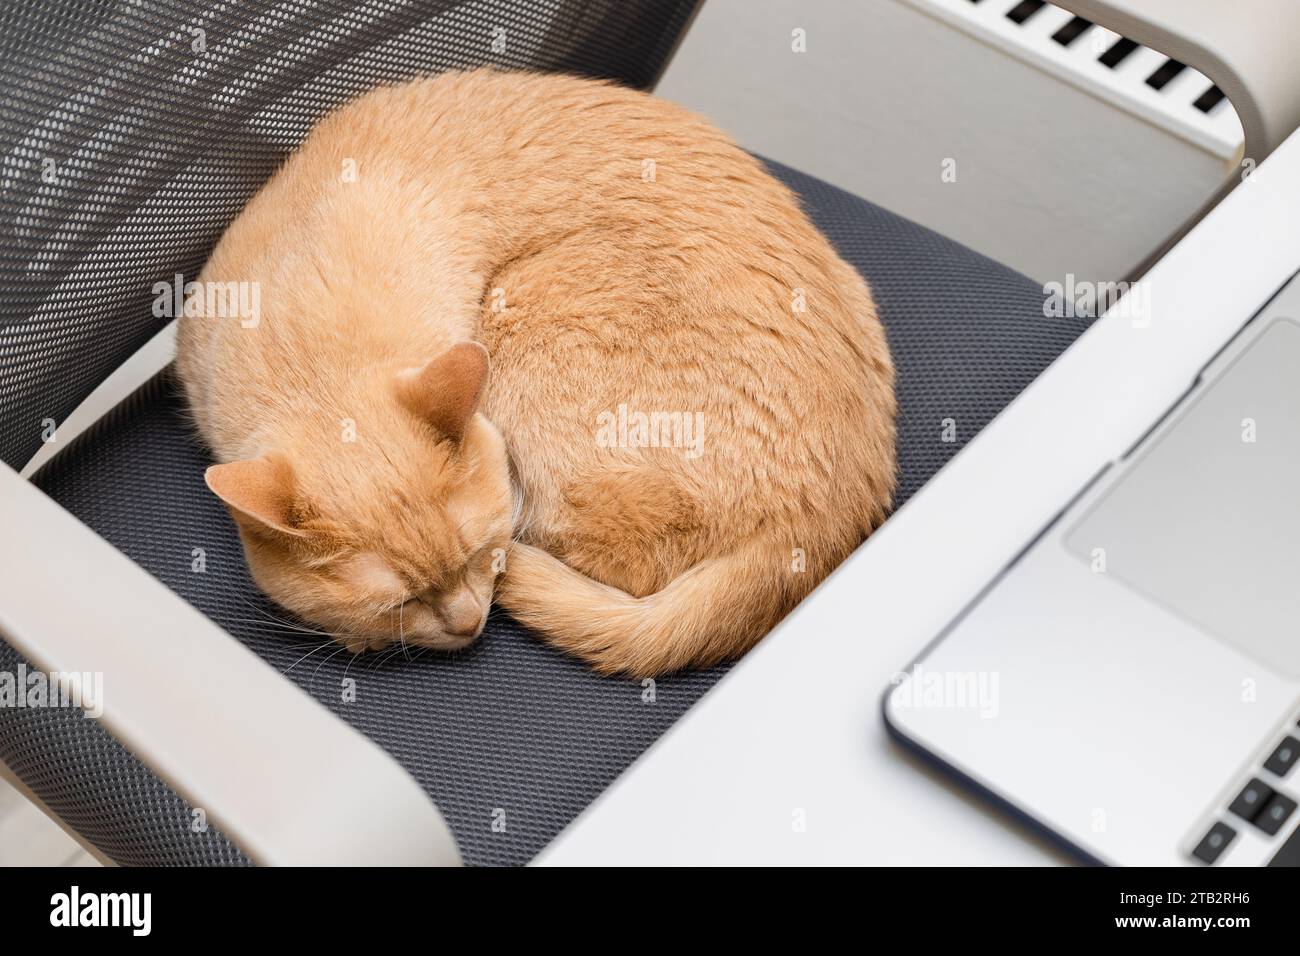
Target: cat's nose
[(461, 613)]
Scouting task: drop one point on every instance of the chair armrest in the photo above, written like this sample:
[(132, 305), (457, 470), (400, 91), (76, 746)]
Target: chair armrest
[(1247, 50), (203, 712)]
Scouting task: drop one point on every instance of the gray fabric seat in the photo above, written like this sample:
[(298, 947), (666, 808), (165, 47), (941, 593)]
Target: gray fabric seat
[(508, 728)]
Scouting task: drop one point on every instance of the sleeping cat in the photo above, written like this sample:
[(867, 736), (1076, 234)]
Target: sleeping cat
[(689, 420)]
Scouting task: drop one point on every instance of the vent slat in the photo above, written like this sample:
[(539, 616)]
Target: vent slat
[(1209, 99), (1118, 52), (1071, 31), (1024, 10), (1161, 77)]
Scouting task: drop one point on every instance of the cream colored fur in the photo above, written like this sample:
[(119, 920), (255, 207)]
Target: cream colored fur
[(616, 255)]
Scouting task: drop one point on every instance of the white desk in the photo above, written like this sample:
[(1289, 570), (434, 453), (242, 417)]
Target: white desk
[(796, 727)]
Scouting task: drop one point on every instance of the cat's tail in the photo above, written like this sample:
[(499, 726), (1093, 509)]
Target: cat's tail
[(716, 610)]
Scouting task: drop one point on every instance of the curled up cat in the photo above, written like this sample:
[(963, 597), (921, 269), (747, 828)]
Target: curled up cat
[(549, 327)]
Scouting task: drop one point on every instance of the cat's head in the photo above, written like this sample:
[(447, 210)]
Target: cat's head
[(395, 533)]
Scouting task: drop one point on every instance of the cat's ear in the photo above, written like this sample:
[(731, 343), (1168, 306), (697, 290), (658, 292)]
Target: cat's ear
[(447, 391), (259, 492)]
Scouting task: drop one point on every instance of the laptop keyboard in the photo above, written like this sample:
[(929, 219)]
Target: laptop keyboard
[(1261, 806)]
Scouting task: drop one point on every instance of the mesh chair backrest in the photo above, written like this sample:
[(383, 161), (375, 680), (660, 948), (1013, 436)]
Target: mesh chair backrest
[(131, 133)]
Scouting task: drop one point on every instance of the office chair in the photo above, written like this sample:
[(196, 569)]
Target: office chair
[(132, 134)]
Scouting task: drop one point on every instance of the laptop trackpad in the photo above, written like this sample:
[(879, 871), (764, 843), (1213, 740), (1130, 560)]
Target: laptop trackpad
[(1206, 521)]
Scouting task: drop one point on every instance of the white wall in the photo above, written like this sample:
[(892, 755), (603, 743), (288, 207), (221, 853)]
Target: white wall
[(1049, 179)]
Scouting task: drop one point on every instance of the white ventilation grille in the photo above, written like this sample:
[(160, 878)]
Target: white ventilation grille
[(1148, 84)]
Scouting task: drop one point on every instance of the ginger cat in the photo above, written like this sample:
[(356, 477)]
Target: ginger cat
[(689, 420)]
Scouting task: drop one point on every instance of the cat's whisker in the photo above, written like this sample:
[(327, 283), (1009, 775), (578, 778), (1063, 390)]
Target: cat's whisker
[(294, 625), (373, 661), (294, 647), (383, 658), (351, 660), (323, 644), (401, 631), (399, 621), (311, 684), (285, 626)]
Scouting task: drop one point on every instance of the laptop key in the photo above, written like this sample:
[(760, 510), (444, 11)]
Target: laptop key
[(1252, 800), (1275, 814), (1215, 842), (1284, 757)]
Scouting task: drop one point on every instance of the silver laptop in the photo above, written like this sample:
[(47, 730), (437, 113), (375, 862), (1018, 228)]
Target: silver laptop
[(1131, 681)]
